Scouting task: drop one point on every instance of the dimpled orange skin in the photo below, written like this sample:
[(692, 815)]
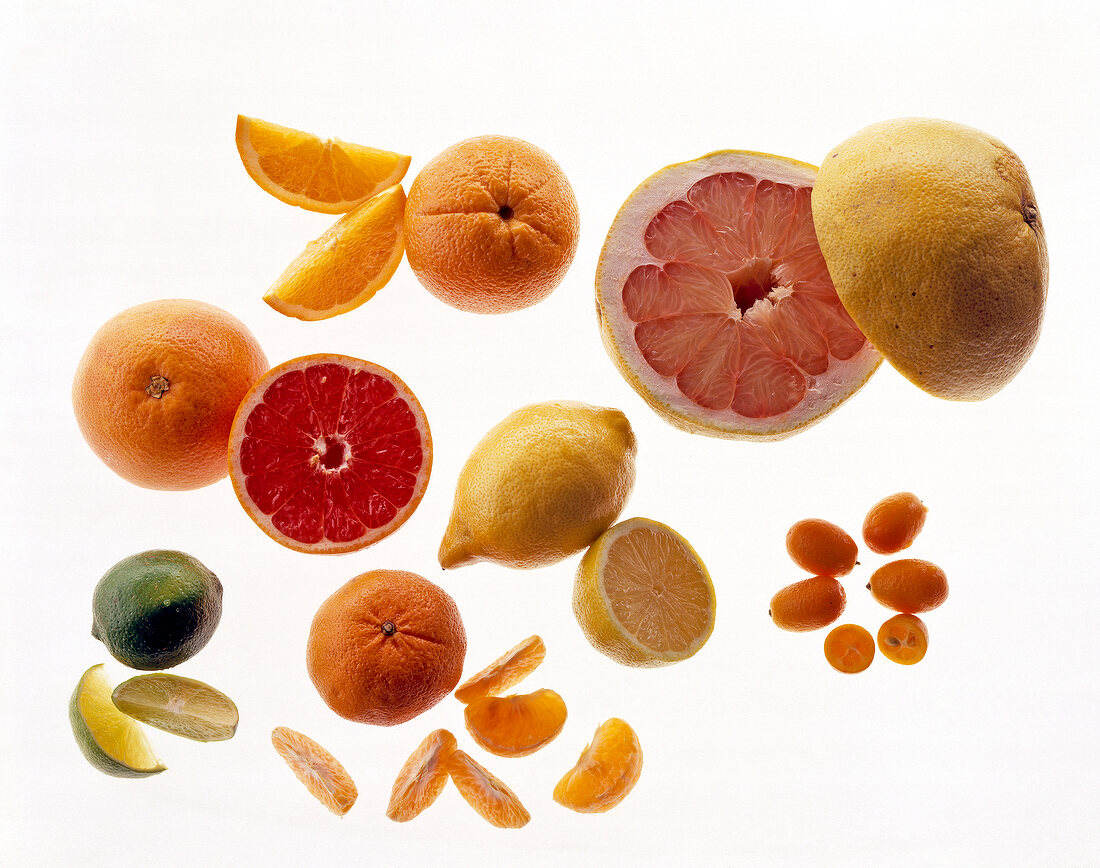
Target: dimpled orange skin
[(903, 639), (821, 547), (491, 225), (386, 647), (808, 605), (933, 238), (893, 523), (156, 390), (909, 585), (849, 648)]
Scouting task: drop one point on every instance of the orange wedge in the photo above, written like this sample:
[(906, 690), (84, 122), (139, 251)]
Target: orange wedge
[(504, 672), (325, 175), (605, 773), (486, 793), (516, 725), (422, 778), (322, 774), (347, 265)]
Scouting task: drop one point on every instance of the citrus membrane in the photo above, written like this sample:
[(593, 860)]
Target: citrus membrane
[(716, 305), (322, 774), (330, 453), (110, 740), (181, 706)]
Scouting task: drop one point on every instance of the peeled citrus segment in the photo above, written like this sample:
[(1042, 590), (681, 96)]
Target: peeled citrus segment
[(504, 672), (325, 175), (322, 774), (516, 725), (348, 264), (643, 596), (422, 777), (716, 305), (329, 453), (112, 742), (486, 793), (606, 772), (181, 706)]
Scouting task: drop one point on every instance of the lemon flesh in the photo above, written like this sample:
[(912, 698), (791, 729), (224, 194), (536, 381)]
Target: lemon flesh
[(111, 741), (181, 706)]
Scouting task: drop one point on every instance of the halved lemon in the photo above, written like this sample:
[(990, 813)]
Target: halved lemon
[(325, 175), (643, 596), (348, 264), (181, 706), (109, 740)]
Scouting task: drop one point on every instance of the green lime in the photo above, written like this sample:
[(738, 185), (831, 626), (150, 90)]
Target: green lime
[(112, 742), (156, 609), (181, 706)]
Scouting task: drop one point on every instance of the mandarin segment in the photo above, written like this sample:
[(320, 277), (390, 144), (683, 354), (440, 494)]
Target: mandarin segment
[(486, 793), (894, 522), (385, 647), (821, 547), (849, 648), (903, 639), (506, 671), (323, 775), (422, 777), (808, 605), (909, 585), (514, 726), (606, 771)]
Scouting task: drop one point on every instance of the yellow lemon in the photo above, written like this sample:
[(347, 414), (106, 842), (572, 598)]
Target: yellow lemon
[(934, 242), (540, 486)]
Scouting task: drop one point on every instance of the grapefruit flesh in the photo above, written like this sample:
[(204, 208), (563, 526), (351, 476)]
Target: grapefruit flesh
[(329, 453), (716, 304)]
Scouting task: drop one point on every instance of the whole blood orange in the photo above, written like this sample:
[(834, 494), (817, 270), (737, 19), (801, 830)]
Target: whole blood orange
[(329, 453), (385, 647), (156, 389), (715, 303), (491, 225)]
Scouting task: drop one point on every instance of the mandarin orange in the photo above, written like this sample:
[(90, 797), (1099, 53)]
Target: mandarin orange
[(516, 725), (156, 389), (606, 772), (491, 225), (422, 777), (486, 793), (386, 647), (506, 671)]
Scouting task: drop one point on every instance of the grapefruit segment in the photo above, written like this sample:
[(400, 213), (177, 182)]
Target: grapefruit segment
[(716, 305), (329, 453)]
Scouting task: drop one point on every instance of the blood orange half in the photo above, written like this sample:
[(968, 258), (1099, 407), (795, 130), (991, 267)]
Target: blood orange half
[(329, 454), (716, 305)]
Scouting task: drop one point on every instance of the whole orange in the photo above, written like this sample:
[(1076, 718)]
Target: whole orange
[(156, 389), (491, 225), (386, 647)]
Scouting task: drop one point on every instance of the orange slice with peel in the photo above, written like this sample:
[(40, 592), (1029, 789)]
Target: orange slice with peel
[(422, 777), (486, 793), (516, 725), (325, 175), (346, 265), (323, 775), (606, 772), (506, 671)]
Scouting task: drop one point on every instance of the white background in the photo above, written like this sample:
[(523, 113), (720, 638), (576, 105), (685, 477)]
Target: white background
[(122, 184)]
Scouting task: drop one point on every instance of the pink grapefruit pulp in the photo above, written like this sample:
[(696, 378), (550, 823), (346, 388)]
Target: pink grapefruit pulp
[(329, 453), (716, 305)]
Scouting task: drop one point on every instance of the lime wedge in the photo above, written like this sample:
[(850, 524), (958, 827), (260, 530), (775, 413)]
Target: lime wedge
[(112, 742), (181, 706)]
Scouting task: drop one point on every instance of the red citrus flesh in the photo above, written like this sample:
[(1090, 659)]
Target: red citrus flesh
[(713, 293), (330, 453)]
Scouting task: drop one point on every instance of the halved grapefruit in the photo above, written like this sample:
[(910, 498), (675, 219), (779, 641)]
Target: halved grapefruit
[(329, 453), (716, 305)]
